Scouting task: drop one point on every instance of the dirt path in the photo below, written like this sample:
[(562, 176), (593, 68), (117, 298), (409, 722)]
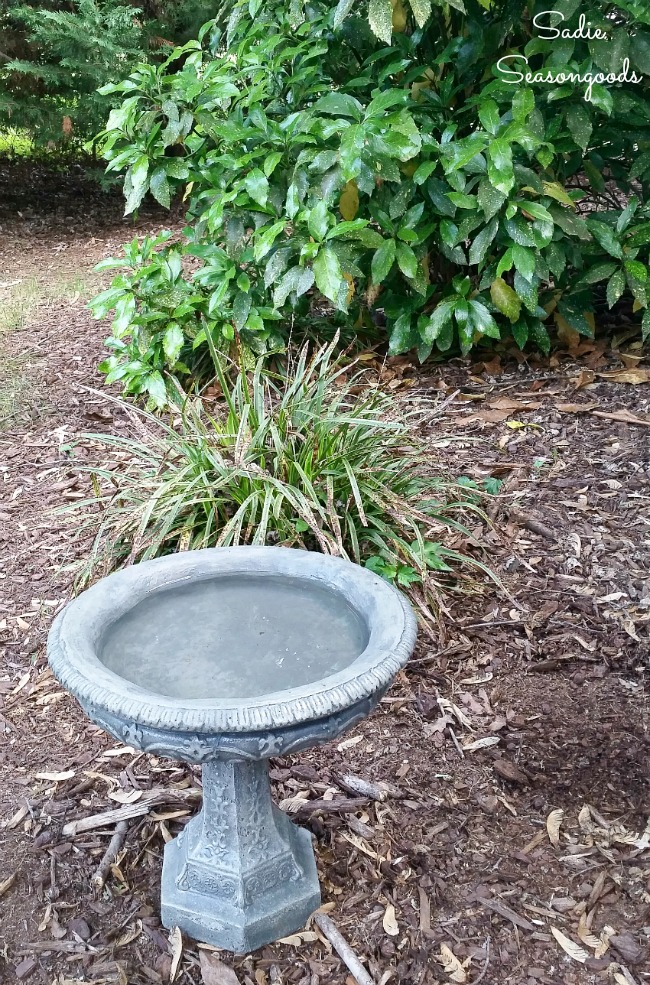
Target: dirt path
[(532, 705)]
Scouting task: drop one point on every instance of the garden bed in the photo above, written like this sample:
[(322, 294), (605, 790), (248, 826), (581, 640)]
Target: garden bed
[(456, 874)]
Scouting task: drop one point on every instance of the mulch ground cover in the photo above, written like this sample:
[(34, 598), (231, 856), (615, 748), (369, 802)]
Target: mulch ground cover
[(489, 823)]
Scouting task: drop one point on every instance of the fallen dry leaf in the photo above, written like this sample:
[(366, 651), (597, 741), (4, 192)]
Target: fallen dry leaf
[(483, 679), (55, 777), (493, 366), (575, 408), (509, 403), (390, 922), (630, 361), (566, 334), (509, 771), (214, 971), (584, 378), (570, 947), (634, 375), (176, 943), (453, 967), (7, 883), (585, 935), (126, 796), (130, 934), (484, 417), (360, 843), (488, 740), (625, 416)]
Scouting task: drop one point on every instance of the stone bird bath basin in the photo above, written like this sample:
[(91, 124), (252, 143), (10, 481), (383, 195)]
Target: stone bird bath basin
[(226, 657)]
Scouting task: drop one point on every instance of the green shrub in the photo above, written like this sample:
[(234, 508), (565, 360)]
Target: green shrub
[(318, 459), (413, 178), (55, 54)]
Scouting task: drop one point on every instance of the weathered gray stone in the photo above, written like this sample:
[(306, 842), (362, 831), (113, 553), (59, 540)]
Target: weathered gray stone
[(184, 657)]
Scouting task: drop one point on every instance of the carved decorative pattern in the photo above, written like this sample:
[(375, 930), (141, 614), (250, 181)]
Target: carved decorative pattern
[(264, 879), (251, 747)]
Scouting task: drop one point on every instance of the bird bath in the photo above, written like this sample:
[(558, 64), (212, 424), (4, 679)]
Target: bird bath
[(226, 657)]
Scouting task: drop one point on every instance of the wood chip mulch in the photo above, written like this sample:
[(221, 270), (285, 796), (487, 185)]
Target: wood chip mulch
[(489, 823)]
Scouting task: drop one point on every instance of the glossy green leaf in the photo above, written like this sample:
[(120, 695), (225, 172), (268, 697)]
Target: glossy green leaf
[(524, 260), (318, 221), (328, 273), (383, 260), (159, 187), (489, 116), (482, 242), (173, 342), (380, 16), (257, 186), (400, 339), (441, 316), (407, 260), (580, 125), (606, 237)]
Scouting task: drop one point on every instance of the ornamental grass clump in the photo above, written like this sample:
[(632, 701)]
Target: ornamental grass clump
[(315, 458)]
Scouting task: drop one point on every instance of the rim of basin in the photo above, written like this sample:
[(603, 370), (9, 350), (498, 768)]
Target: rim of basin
[(78, 630)]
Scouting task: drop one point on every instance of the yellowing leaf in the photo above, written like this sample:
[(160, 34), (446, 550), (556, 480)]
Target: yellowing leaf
[(555, 190), (349, 201), (515, 425), (400, 18), (351, 288), (506, 299), (390, 922), (553, 824), (570, 947)]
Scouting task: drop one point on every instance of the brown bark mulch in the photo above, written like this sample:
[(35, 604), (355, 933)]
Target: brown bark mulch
[(506, 837)]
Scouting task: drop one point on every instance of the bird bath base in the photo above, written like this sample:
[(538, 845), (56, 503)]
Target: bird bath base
[(241, 873), (227, 657)]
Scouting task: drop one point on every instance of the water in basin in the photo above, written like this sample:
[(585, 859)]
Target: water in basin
[(237, 637)]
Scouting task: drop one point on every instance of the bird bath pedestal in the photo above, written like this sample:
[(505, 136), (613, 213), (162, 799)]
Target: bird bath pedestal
[(226, 657)]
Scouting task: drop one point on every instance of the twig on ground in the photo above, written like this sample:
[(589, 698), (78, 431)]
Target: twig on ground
[(486, 965), (489, 623), (341, 806), (456, 742), (530, 523), (356, 785), (505, 912), (154, 798), (110, 855), (343, 949)]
